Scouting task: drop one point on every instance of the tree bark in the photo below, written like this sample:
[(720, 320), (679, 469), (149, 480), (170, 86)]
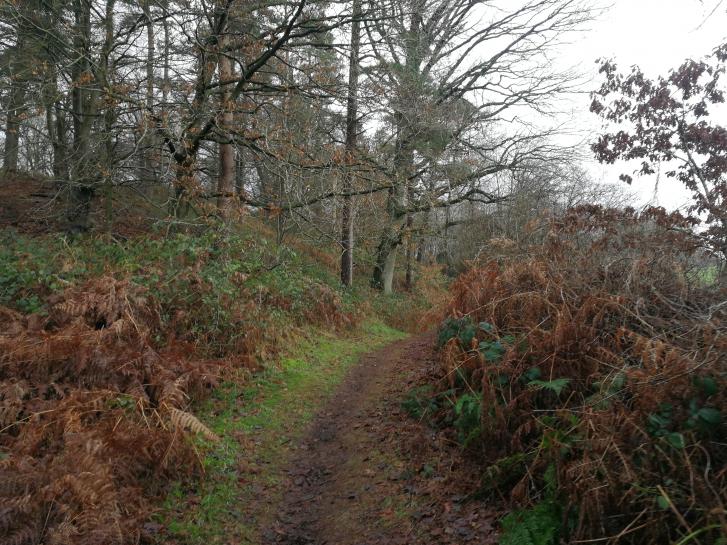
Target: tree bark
[(409, 241), (383, 277), (226, 182), (185, 180), (166, 84), (16, 104), (55, 118), (391, 237), (60, 146), (149, 144), (241, 196), (84, 112), (399, 217), (389, 267), (12, 126), (351, 144), (52, 98)]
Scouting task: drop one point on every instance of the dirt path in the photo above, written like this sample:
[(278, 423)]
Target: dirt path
[(366, 473)]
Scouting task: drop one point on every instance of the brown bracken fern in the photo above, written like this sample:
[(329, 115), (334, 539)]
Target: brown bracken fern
[(92, 416), (602, 364)]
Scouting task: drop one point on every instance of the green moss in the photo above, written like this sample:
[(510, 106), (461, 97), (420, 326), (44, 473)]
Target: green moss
[(258, 423), (706, 276)]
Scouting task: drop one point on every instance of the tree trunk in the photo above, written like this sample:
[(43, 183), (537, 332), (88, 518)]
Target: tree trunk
[(60, 146), (351, 143), (50, 126), (84, 113), (16, 108), (167, 45), (109, 159), (447, 256), (226, 182), (399, 194), (390, 240), (53, 103), (55, 124), (149, 164), (409, 277), (388, 277), (409, 241), (347, 234), (240, 168), (18, 72), (383, 277), (184, 180)]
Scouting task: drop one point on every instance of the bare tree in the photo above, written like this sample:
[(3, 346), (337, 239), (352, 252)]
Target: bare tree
[(248, 105), (454, 69)]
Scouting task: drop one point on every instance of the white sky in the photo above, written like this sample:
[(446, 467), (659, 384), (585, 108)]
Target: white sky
[(657, 35)]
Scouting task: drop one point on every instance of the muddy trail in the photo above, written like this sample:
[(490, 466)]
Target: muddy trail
[(368, 473)]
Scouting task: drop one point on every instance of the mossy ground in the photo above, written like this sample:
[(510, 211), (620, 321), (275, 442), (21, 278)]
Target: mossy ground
[(259, 423)]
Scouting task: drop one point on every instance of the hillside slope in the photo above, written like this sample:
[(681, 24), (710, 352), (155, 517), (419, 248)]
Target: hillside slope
[(109, 347)]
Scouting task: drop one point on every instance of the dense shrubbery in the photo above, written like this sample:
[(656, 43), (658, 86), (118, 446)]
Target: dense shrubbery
[(103, 347), (600, 359)]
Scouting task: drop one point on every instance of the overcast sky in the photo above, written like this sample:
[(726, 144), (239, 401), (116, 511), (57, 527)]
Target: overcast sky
[(656, 35)]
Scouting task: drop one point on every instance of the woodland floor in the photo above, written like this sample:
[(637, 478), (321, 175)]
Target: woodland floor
[(361, 471)]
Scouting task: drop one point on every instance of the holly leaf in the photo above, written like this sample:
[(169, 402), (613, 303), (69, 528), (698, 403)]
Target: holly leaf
[(676, 440), (710, 416)]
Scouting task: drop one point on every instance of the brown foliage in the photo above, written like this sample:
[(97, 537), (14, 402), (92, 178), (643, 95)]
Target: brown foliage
[(606, 304), (28, 203), (92, 416)]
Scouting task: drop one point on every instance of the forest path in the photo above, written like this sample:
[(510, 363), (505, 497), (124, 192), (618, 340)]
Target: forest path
[(366, 473)]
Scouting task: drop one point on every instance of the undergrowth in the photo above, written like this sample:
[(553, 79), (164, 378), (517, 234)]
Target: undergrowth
[(417, 309), (207, 285), (596, 361), (106, 349)]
